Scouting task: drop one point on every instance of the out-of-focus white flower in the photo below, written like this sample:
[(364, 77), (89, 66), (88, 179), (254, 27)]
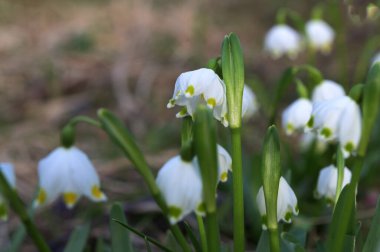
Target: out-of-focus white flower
[(320, 35), (327, 90), (250, 106), (8, 172), (376, 58), (70, 172), (198, 86), (327, 182), (286, 203), (338, 119), (224, 163), (308, 138), (296, 115), (283, 40), (181, 186)]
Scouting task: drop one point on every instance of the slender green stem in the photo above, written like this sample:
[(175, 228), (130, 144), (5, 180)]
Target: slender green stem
[(180, 238), (340, 167), (77, 119), (238, 211), (20, 210), (274, 240), (212, 232), (202, 233)]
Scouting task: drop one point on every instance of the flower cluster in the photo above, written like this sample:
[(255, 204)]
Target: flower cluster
[(180, 183), (205, 86), (282, 39)]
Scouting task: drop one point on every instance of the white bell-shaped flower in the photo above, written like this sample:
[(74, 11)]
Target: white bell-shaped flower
[(338, 119), (283, 40), (181, 186), (320, 35), (376, 58), (8, 172), (67, 171), (328, 180), (327, 90), (249, 106), (224, 163), (286, 203), (296, 115), (202, 85)]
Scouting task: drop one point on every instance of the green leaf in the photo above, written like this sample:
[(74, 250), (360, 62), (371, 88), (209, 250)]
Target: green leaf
[(193, 238), (120, 240), (372, 244), (291, 243), (78, 238), (263, 244), (145, 237)]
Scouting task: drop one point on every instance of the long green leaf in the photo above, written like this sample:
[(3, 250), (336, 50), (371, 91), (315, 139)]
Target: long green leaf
[(372, 244), (120, 240), (78, 238)]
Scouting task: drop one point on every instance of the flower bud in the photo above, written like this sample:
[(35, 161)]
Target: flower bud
[(320, 35), (296, 115), (283, 40)]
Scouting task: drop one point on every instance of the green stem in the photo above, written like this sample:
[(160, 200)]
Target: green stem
[(180, 238), (77, 119), (17, 206), (274, 240), (340, 167), (202, 233), (238, 211), (212, 232)]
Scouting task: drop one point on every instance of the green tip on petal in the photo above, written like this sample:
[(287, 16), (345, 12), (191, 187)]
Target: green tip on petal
[(310, 123), (326, 132), (175, 212), (211, 102), (349, 147), (190, 90), (224, 177), (201, 208), (289, 128), (288, 217)]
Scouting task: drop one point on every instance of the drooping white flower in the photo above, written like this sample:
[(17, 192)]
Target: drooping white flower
[(67, 171), (309, 138), (224, 163), (249, 106), (376, 58), (198, 86), (296, 115), (328, 180), (320, 35), (338, 119), (327, 90), (286, 203), (181, 186), (283, 40), (8, 172)]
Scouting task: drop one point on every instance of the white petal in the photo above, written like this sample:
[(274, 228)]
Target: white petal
[(224, 162), (282, 39), (8, 172), (327, 90), (296, 115), (328, 179), (249, 102), (320, 35), (350, 126)]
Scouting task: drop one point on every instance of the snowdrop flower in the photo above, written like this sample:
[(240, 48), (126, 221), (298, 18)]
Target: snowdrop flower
[(319, 35), (282, 39), (376, 58), (338, 119), (296, 115), (181, 186), (224, 162), (327, 90), (8, 173), (286, 203), (249, 106), (70, 172), (202, 85), (327, 182)]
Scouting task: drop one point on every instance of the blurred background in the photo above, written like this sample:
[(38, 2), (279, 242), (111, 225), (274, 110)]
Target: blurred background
[(59, 59)]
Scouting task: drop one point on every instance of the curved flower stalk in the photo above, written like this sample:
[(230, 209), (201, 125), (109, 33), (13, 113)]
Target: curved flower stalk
[(338, 119), (8, 172), (70, 172), (296, 115), (320, 35), (283, 40), (327, 182), (286, 203), (327, 90)]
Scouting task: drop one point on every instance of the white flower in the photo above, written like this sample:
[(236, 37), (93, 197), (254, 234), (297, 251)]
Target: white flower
[(286, 203), (338, 119), (376, 58), (181, 186), (7, 170), (327, 182), (296, 115), (249, 106), (70, 172), (224, 163), (202, 85), (308, 138), (319, 35), (327, 90), (282, 39)]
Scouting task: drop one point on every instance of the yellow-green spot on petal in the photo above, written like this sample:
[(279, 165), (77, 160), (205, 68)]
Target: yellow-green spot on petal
[(349, 147), (326, 132), (95, 191), (41, 197), (310, 123), (288, 216), (211, 102), (183, 112), (289, 127), (175, 211), (224, 176), (201, 208), (297, 209), (264, 219), (70, 198), (190, 90)]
